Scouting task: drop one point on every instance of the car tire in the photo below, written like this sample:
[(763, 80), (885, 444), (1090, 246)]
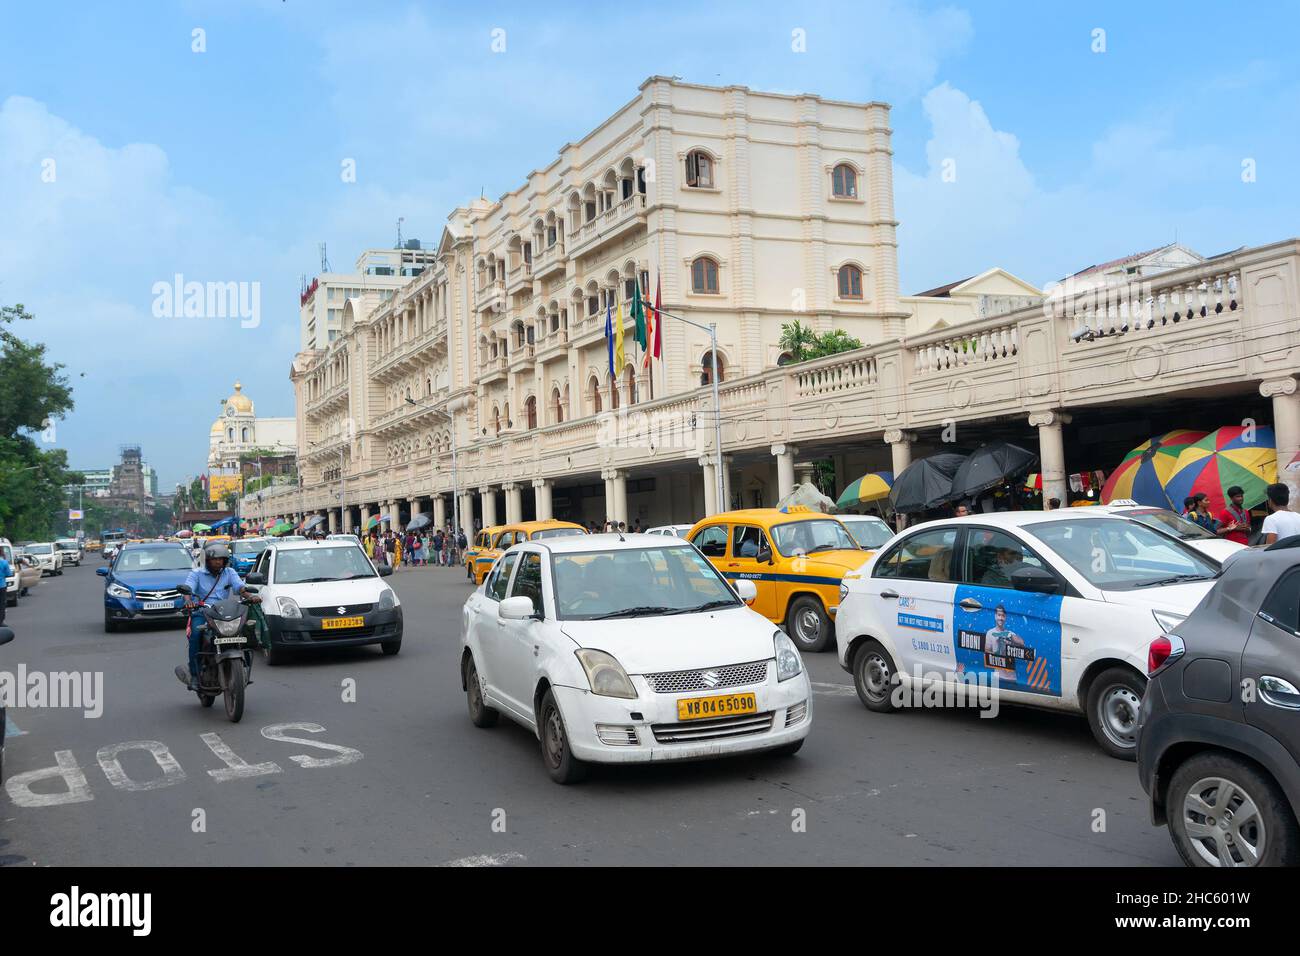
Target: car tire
[(480, 714), (1269, 835), (560, 762), (874, 675), (110, 625), (1114, 701), (390, 648), (807, 624)]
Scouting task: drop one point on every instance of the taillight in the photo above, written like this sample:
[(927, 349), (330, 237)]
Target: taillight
[(1162, 651)]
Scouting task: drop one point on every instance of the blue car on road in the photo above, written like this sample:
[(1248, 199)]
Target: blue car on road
[(141, 584), (244, 553)]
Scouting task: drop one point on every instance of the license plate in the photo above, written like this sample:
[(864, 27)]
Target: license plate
[(229, 640), (723, 705), (158, 605), (330, 623)]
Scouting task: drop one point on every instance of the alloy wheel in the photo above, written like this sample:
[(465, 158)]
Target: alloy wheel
[(1223, 823)]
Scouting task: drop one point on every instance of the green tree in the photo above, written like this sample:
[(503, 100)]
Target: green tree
[(797, 339), (834, 342)]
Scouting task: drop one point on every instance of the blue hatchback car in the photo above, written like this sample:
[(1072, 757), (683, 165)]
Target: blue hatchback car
[(141, 584), (244, 553)]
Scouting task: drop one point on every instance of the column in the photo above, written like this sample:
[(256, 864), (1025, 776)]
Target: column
[(619, 480), (542, 499), (784, 469), (1051, 453), (365, 518), (900, 449), (710, 486), (439, 511), (726, 484), (415, 507), (488, 499), (395, 514), (804, 473), (333, 522), (1286, 430), (466, 513), (514, 502)]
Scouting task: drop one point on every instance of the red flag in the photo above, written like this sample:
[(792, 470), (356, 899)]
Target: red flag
[(659, 320), (651, 322)]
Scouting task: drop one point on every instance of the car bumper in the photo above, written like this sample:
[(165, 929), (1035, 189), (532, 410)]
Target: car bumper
[(784, 716), (379, 627), (128, 610)]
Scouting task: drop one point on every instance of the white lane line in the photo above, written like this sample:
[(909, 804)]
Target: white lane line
[(487, 859), (834, 690)]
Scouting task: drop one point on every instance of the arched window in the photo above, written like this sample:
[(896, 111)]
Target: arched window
[(699, 169), (496, 420), (230, 435), (243, 435), (704, 276), (593, 392), (844, 181), (629, 384), (530, 411), (613, 393), (557, 406), (706, 374), (850, 282)]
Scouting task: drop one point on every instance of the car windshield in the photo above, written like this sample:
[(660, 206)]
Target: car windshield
[(868, 532), (637, 582), (556, 533), (39, 548), (796, 538), (1122, 555), (249, 547), (325, 563), (67, 543), (1170, 523), (154, 559)]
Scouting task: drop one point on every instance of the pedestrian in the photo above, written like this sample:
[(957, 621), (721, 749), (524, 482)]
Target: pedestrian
[(1234, 521), (5, 571), (961, 510), (1281, 522), (438, 542)]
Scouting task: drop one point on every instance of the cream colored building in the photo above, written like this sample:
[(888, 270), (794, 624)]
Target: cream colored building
[(238, 430), (483, 386)]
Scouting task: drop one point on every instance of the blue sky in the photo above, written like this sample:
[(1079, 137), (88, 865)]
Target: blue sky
[(224, 165)]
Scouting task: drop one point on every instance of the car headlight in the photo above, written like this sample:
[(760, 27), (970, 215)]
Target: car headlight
[(227, 628), (844, 591), (387, 600), (1168, 620), (788, 662), (289, 607), (119, 591), (605, 674)]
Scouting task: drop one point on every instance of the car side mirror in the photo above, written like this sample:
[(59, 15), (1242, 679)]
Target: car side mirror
[(6, 635), (1035, 580), (102, 572), (764, 556), (255, 577), (184, 589), (385, 570), (517, 608), (746, 590)]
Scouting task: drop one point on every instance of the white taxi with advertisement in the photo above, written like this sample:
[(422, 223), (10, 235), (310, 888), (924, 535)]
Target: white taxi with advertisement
[(632, 648), (324, 594), (1052, 609)]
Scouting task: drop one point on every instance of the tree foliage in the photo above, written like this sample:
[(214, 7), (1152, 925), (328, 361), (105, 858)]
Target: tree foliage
[(804, 343)]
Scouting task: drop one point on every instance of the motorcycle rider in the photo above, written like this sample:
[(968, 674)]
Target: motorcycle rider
[(215, 581)]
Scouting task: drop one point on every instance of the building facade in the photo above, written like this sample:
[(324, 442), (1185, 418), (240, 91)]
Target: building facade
[(381, 271), (238, 431)]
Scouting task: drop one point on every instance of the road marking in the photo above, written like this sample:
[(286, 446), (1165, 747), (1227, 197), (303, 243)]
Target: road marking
[(19, 786), (236, 767), (11, 729), (346, 756), (112, 767), (834, 690), (487, 859)]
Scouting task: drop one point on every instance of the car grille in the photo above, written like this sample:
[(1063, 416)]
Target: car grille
[(332, 610), (795, 713), (715, 728), (731, 675), (167, 595)]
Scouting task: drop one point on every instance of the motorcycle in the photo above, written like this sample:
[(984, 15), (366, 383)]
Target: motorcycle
[(226, 654)]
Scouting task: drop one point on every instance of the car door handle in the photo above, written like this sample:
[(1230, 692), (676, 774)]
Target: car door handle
[(888, 594), (1279, 693), (970, 604)]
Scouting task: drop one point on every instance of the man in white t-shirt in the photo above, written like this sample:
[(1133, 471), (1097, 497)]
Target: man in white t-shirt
[(1282, 522)]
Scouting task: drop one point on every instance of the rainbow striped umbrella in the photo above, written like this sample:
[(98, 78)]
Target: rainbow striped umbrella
[(1146, 470), (1232, 455), (868, 488)]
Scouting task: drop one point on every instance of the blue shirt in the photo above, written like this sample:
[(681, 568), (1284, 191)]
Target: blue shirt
[(222, 586), (5, 568)]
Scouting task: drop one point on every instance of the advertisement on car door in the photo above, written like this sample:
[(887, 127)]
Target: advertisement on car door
[(1014, 635)]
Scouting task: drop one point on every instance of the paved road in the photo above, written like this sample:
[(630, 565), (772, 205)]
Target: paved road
[(419, 785)]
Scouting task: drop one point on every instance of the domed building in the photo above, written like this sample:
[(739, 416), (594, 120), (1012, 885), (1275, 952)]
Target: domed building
[(239, 430)]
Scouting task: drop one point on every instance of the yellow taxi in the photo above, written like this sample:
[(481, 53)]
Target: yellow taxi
[(490, 542), (796, 558)]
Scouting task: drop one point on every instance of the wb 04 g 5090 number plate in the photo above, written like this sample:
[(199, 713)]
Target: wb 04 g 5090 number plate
[(721, 705)]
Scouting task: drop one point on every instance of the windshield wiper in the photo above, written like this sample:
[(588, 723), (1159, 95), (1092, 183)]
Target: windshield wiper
[(1173, 580), (822, 547), (706, 606), (632, 612)]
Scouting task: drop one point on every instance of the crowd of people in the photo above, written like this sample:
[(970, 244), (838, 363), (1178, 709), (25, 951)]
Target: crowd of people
[(439, 547)]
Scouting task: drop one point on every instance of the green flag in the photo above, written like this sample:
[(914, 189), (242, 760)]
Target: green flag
[(638, 313)]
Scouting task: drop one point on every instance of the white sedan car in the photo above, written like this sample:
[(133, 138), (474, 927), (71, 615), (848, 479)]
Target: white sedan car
[(1175, 525), (632, 649), (1053, 610), (48, 557)]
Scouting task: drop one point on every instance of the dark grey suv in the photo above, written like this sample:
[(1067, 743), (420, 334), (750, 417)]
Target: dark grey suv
[(1219, 733)]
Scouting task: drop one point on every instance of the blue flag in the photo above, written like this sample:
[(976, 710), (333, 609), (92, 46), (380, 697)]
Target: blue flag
[(609, 338)]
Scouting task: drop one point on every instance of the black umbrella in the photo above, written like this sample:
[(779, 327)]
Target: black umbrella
[(312, 522), (989, 466), (926, 483), (419, 522)]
